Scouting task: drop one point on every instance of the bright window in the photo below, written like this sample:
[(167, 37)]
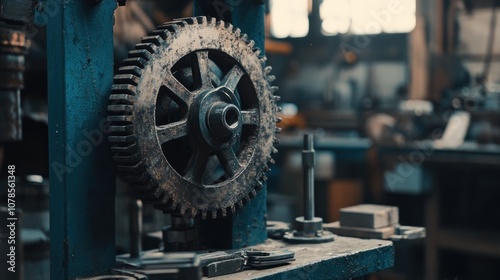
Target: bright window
[(367, 16), (289, 18)]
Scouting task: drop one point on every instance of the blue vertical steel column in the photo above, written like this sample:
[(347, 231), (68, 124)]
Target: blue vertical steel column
[(248, 225), (82, 180)]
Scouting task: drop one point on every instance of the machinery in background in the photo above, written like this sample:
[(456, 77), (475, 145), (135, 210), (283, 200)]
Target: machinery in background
[(193, 123)]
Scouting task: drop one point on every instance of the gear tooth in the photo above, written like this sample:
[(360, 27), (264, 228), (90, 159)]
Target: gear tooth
[(166, 200), (158, 194), (171, 27), (188, 20), (263, 60), (142, 179), (214, 214), (137, 61), (127, 148), (224, 212), (220, 23), (211, 21), (279, 109), (275, 151), (122, 139), (268, 70), (244, 37), (252, 194), (203, 214), (126, 79), (229, 26), (251, 43), (162, 33), (237, 32), (246, 198), (278, 129), (232, 209), (121, 119), (150, 47), (124, 88), (240, 204), (271, 160), (152, 39), (183, 210), (271, 78), (259, 185), (193, 213), (274, 89), (263, 177), (202, 20), (126, 159), (123, 109), (130, 69), (279, 120), (276, 141), (178, 22), (121, 99), (267, 169), (257, 52), (140, 53), (276, 98)]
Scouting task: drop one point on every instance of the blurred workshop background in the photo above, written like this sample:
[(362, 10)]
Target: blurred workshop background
[(403, 97)]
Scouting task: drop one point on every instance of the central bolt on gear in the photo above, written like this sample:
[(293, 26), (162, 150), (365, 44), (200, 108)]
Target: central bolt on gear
[(193, 118)]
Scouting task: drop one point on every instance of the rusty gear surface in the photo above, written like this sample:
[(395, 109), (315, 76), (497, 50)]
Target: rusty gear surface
[(193, 118)]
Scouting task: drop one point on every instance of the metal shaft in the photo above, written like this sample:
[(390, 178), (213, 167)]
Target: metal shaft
[(308, 163), (135, 228)]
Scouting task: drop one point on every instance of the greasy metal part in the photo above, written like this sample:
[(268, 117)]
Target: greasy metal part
[(222, 263), (17, 12), (373, 221), (135, 228), (13, 47), (308, 229), (308, 163), (158, 265), (182, 235), (193, 118), (276, 229)]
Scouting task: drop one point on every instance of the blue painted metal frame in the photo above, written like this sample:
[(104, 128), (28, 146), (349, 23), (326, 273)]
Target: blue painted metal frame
[(80, 75), (248, 225)]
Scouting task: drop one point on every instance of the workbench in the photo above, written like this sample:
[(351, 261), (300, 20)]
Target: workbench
[(344, 258)]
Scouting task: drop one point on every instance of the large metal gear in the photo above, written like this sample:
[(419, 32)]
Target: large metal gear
[(193, 118)]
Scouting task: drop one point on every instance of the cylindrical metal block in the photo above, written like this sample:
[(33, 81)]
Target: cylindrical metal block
[(308, 163)]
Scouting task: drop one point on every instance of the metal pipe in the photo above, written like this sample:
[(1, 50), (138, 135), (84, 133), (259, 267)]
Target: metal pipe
[(135, 228), (308, 163)]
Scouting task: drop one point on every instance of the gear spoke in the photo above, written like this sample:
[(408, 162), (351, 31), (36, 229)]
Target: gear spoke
[(249, 117), (229, 161), (196, 166), (201, 70), (232, 78), (178, 92), (172, 131)]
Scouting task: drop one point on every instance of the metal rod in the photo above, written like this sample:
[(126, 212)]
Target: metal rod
[(308, 163), (135, 228)]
